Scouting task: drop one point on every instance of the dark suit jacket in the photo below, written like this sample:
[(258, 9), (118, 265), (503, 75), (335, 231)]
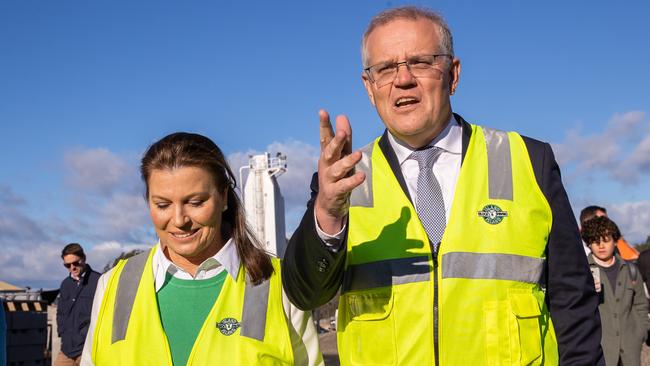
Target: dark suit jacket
[(312, 273), (73, 311)]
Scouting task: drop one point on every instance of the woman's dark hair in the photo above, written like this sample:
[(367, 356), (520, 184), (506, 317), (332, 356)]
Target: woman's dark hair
[(598, 228), (182, 149)]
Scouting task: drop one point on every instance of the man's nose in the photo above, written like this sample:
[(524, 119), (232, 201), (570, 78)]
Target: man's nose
[(404, 77)]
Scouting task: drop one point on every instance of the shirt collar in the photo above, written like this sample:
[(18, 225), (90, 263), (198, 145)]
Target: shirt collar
[(450, 140), (227, 257)]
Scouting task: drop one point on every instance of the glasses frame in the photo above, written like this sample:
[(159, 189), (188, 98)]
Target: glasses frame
[(78, 263), (398, 64)]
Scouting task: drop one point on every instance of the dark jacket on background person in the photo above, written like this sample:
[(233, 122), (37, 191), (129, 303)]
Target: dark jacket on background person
[(643, 262), (73, 311), (623, 315)]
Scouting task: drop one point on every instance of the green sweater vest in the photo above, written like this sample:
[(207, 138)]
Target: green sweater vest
[(183, 307)]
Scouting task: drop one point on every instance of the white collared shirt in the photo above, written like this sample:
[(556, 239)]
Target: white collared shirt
[(446, 168), (226, 258)]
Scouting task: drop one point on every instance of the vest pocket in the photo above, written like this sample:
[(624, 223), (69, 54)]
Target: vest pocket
[(370, 332), (513, 333)]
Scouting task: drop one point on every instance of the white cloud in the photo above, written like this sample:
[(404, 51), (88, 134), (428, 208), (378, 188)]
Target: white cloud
[(101, 254), (40, 261), (621, 150), (17, 228), (628, 124), (9, 198), (105, 208), (632, 218), (124, 217), (96, 170)]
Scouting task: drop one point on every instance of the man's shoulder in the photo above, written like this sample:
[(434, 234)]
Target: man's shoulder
[(66, 283), (95, 275), (534, 146)]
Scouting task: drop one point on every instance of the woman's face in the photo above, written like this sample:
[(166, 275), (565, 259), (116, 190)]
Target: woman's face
[(186, 209)]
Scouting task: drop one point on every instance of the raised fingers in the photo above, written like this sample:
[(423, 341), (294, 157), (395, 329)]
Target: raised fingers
[(346, 185), (343, 124), (326, 131), (334, 150), (344, 166)]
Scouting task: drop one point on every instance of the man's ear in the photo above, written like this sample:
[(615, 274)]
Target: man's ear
[(454, 75), (368, 84)]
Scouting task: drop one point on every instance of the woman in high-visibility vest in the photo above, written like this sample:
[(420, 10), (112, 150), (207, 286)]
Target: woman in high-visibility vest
[(207, 292)]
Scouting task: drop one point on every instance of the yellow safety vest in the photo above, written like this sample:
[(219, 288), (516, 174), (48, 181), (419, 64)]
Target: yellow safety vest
[(246, 326), (489, 305)]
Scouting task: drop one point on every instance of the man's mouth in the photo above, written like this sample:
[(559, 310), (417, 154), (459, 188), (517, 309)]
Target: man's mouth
[(406, 101)]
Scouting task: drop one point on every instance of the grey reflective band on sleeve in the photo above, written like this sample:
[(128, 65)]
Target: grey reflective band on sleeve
[(499, 164), (361, 196), (256, 301), (493, 266), (386, 273), (127, 287)]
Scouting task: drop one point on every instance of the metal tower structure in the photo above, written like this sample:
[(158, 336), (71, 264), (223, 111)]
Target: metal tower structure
[(263, 200)]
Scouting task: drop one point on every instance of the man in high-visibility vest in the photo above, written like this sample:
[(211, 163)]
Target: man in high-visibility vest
[(450, 243)]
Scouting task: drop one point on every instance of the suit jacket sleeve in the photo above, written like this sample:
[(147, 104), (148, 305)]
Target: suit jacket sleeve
[(571, 297), (311, 272)]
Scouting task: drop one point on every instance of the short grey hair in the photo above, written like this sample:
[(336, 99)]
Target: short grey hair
[(411, 13)]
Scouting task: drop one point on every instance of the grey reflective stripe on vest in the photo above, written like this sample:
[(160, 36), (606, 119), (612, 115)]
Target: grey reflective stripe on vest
[(499, 164), (256, 301), (386, 273), (493, 266), (127, 287), (362, 195)]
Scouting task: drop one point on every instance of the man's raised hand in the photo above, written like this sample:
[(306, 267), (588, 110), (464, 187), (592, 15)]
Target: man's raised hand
[(336, 177)]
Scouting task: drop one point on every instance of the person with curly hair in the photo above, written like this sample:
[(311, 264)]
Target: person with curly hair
[(623, 307)]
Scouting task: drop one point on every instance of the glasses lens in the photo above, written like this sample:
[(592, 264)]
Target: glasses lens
[(419, 66), (68, 265)]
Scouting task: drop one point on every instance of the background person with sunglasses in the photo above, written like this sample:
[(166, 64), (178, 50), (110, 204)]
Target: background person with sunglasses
[(75, 304)]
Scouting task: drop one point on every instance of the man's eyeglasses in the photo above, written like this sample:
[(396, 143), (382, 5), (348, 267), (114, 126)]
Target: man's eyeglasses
[(424, 66), (75, 263)]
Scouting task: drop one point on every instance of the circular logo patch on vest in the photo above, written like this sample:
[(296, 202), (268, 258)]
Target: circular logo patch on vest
[(492, 214), (228, 326)]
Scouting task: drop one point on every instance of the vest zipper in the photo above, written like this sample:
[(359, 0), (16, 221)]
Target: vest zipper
[(434, 255)]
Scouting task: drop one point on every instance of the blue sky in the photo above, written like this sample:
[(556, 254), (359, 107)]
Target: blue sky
[(86, 86)]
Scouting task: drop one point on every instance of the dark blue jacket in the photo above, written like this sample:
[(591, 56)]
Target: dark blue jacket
[(73, 311)]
